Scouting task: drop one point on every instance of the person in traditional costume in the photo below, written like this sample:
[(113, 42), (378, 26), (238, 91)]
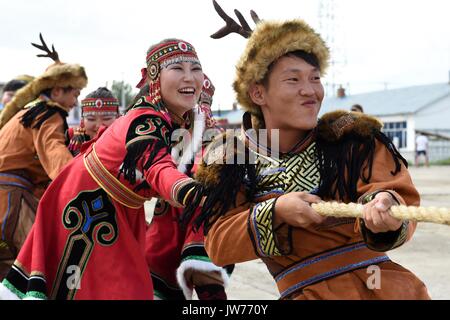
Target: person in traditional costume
[(175, 253), (11, 87), (88, 241), (33, 150), (98, 108), (342, 156)]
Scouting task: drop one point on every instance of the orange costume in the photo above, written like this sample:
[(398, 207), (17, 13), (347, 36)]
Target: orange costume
[(330, 260), (345, 157), (32, 151)]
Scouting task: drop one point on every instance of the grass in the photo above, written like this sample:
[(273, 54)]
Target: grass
[(444, 162)]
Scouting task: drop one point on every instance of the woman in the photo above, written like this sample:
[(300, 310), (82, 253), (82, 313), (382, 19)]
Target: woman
[(89, 236), (175, 253), (99, 108)]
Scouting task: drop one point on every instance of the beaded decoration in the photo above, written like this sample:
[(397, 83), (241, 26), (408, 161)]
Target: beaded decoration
[(91, 106), (205, 103), (163, 55)]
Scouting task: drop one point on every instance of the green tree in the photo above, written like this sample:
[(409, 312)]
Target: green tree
[(124, 92)]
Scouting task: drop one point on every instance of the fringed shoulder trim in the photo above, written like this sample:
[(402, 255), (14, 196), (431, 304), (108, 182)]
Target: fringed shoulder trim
[(336, 125), (345, 148)]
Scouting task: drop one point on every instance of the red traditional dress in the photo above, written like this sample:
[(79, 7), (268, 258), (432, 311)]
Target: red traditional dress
[(175, 252)]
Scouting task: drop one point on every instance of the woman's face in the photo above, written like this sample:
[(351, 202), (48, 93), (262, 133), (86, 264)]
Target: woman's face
[(93, 122), (181, 85)]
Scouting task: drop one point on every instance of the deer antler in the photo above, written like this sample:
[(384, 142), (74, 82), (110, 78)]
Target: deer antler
[(50, 54), (232, 26), (255, 17)]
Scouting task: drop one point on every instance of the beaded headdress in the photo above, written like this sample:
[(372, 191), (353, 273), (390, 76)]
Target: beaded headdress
[(161, 56), (91, 106), (205, 102)]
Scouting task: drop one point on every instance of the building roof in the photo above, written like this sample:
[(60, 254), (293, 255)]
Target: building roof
[(390, 102)]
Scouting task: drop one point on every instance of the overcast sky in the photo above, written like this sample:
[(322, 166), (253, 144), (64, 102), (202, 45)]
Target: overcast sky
[(378, 43)]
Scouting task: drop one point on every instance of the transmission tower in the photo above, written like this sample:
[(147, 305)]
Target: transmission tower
[(330, 27)]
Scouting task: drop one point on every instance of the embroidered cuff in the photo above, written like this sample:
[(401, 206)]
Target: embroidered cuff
[(384, 241), (261, 226), (183, 190), (365, 198)]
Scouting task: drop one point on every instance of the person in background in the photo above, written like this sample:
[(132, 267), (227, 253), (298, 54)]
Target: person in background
[(357, 108), (99, 108), (422, 149), (10, 88)]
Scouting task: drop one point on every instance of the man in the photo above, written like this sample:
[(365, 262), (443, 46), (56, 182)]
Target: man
[(11, 87), (357, 108), (344, 156), (421, 148), (33, 150)]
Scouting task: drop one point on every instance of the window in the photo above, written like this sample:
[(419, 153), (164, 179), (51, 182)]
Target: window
[(396, 131)]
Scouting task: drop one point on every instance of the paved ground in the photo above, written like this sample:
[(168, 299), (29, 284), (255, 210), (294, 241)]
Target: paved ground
[(427, 254)]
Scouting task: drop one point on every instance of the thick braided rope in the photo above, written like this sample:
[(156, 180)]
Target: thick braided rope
[(354, 210)]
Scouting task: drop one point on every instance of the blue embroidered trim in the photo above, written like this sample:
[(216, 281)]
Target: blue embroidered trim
[(322, 257), (15, 176), (278, 191), (14, 184), (6, 217), (332, 273)]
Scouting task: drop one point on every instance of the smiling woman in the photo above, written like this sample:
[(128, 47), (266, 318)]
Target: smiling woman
[(181, 86)]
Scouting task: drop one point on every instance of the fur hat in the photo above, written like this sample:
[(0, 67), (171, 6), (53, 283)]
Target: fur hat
[(57, 74), (268, 42)]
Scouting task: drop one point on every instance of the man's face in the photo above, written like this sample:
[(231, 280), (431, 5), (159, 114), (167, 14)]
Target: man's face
[(68, 99), (7, 97), (292, 97)]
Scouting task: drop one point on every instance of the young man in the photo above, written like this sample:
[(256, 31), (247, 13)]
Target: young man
[(10, 88), (33, 150), (343, 156)]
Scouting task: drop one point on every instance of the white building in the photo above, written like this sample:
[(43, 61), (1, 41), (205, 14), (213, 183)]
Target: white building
[(405, 112)]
